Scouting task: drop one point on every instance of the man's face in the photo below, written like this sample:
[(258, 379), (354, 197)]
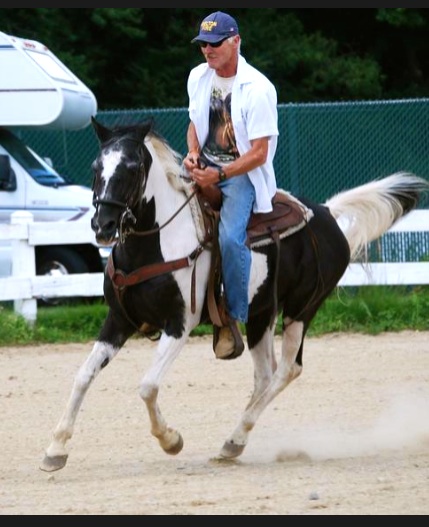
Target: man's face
[(218, 57)]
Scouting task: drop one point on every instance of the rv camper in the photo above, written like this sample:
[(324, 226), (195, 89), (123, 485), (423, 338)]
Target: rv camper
[(38, 91)]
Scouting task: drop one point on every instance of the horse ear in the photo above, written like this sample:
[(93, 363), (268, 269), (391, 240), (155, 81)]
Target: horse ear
[(103, 133), (145, 128)]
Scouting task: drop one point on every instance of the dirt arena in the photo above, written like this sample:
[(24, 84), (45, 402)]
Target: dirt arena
[(350, 437)]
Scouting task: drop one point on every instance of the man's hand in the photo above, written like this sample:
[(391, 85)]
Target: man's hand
[(199, 173), (192, 161), (205, 177)]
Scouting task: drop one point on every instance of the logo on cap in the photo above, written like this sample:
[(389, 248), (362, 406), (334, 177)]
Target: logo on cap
[(208, 26)]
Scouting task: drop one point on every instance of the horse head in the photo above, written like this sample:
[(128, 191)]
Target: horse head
[(121, 171)]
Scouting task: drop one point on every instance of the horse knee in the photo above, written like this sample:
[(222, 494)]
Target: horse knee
[(148, 392)]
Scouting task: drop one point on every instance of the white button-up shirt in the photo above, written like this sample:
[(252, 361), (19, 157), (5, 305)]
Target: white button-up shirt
[(254, 116)]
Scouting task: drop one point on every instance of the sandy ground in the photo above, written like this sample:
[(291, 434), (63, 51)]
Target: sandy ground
[(350, 437)]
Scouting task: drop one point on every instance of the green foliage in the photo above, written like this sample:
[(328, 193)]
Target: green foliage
[(307, 66), (14, 330), (402, 17), (140, 58), (370, 310)]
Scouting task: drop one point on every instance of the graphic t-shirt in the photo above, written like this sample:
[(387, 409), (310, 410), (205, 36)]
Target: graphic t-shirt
[(220, 148)]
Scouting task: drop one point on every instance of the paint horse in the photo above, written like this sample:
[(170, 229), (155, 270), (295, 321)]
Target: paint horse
[(159, 273)]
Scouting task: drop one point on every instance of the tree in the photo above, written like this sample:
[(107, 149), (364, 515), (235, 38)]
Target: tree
[(140, 58)]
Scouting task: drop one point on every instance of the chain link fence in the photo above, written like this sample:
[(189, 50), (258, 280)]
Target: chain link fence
[(323, 149)]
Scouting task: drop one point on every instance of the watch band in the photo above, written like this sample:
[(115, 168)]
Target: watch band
[(222, 175)]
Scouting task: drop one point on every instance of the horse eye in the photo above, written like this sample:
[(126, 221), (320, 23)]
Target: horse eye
[(94, 166), (132, 166)]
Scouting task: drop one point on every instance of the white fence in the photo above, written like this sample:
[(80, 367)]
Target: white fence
[(411, 273), (24, 287)]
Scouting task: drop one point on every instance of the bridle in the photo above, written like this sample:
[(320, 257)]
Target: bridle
[(128, 218)]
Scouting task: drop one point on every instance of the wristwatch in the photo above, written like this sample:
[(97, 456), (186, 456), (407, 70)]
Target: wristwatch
[(222, 175)]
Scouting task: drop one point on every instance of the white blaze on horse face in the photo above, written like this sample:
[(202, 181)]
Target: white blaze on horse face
[(110, 160), (259, 274)]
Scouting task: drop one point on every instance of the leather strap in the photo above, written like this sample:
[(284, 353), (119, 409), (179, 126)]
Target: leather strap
[(215, 268), (122, 280)]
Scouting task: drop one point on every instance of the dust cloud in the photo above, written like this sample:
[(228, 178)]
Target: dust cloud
[(404, 424)]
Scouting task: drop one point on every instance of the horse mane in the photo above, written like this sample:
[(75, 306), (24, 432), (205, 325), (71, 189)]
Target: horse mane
[(169, 158)]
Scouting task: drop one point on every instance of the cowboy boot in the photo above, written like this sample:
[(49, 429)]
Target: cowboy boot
[(228, 342)]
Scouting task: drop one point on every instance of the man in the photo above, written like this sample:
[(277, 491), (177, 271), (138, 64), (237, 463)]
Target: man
[(232, 141)]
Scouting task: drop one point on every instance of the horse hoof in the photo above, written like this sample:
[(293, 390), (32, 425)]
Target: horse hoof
[(232, 451), (53, 464), (177, 448)]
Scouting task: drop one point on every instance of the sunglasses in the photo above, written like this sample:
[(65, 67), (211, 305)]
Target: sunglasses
[(212, 45)]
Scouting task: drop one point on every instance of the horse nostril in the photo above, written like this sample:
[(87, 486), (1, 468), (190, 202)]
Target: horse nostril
[(110, 227)]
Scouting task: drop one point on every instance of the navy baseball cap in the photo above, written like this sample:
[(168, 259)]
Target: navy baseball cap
[(216, 27)]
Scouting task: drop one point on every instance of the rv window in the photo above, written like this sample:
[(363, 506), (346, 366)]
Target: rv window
[(40, 172), (7, 175)]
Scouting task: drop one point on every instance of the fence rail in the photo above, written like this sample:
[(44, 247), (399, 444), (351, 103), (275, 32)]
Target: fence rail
[(394, 274), (24, 288)]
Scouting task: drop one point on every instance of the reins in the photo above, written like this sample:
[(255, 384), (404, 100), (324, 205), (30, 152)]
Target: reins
[(132, 232)]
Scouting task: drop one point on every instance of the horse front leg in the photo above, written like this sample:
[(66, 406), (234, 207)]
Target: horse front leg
[(286, 372), (56, 454), (168, 350)]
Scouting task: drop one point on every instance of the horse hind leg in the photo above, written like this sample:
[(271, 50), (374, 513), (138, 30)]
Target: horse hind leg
[(286, 372), (264, 364), (56, 456)]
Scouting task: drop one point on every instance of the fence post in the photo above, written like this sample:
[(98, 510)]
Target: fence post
[(24, 266)]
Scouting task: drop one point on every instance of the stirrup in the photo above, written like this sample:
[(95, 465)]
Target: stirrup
[(228, 342)]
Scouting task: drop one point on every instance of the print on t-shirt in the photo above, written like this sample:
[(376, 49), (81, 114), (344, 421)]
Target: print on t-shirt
[(221, 148)]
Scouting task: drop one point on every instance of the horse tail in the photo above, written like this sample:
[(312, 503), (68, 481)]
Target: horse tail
[(367, 212)]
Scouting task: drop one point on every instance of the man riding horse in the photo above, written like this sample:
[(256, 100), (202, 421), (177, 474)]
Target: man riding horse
[(232, 141)]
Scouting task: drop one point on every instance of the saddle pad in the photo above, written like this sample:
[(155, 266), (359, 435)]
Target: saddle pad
[(288, 217)]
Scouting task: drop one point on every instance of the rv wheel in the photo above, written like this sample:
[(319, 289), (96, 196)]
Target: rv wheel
[(56, 261)]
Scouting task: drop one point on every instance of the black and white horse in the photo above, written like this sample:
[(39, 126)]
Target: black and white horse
[(140, 196)]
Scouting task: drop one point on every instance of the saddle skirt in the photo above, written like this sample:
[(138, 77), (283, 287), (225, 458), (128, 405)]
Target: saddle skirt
[(289, 215)]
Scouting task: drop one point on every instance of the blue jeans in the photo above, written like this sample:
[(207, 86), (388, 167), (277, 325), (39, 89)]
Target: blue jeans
[(238, 200)]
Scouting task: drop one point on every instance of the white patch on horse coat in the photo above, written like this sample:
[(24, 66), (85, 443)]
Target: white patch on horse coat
[(259, 274), (174, 244)]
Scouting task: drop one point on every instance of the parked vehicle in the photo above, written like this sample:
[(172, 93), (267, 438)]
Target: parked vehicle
[(37, 90)]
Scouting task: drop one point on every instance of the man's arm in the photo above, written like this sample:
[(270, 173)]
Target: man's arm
[(191, 160), (254, 158)]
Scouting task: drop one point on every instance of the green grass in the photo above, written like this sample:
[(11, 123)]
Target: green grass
[(370, 310), (374, 310), (54, 325)]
